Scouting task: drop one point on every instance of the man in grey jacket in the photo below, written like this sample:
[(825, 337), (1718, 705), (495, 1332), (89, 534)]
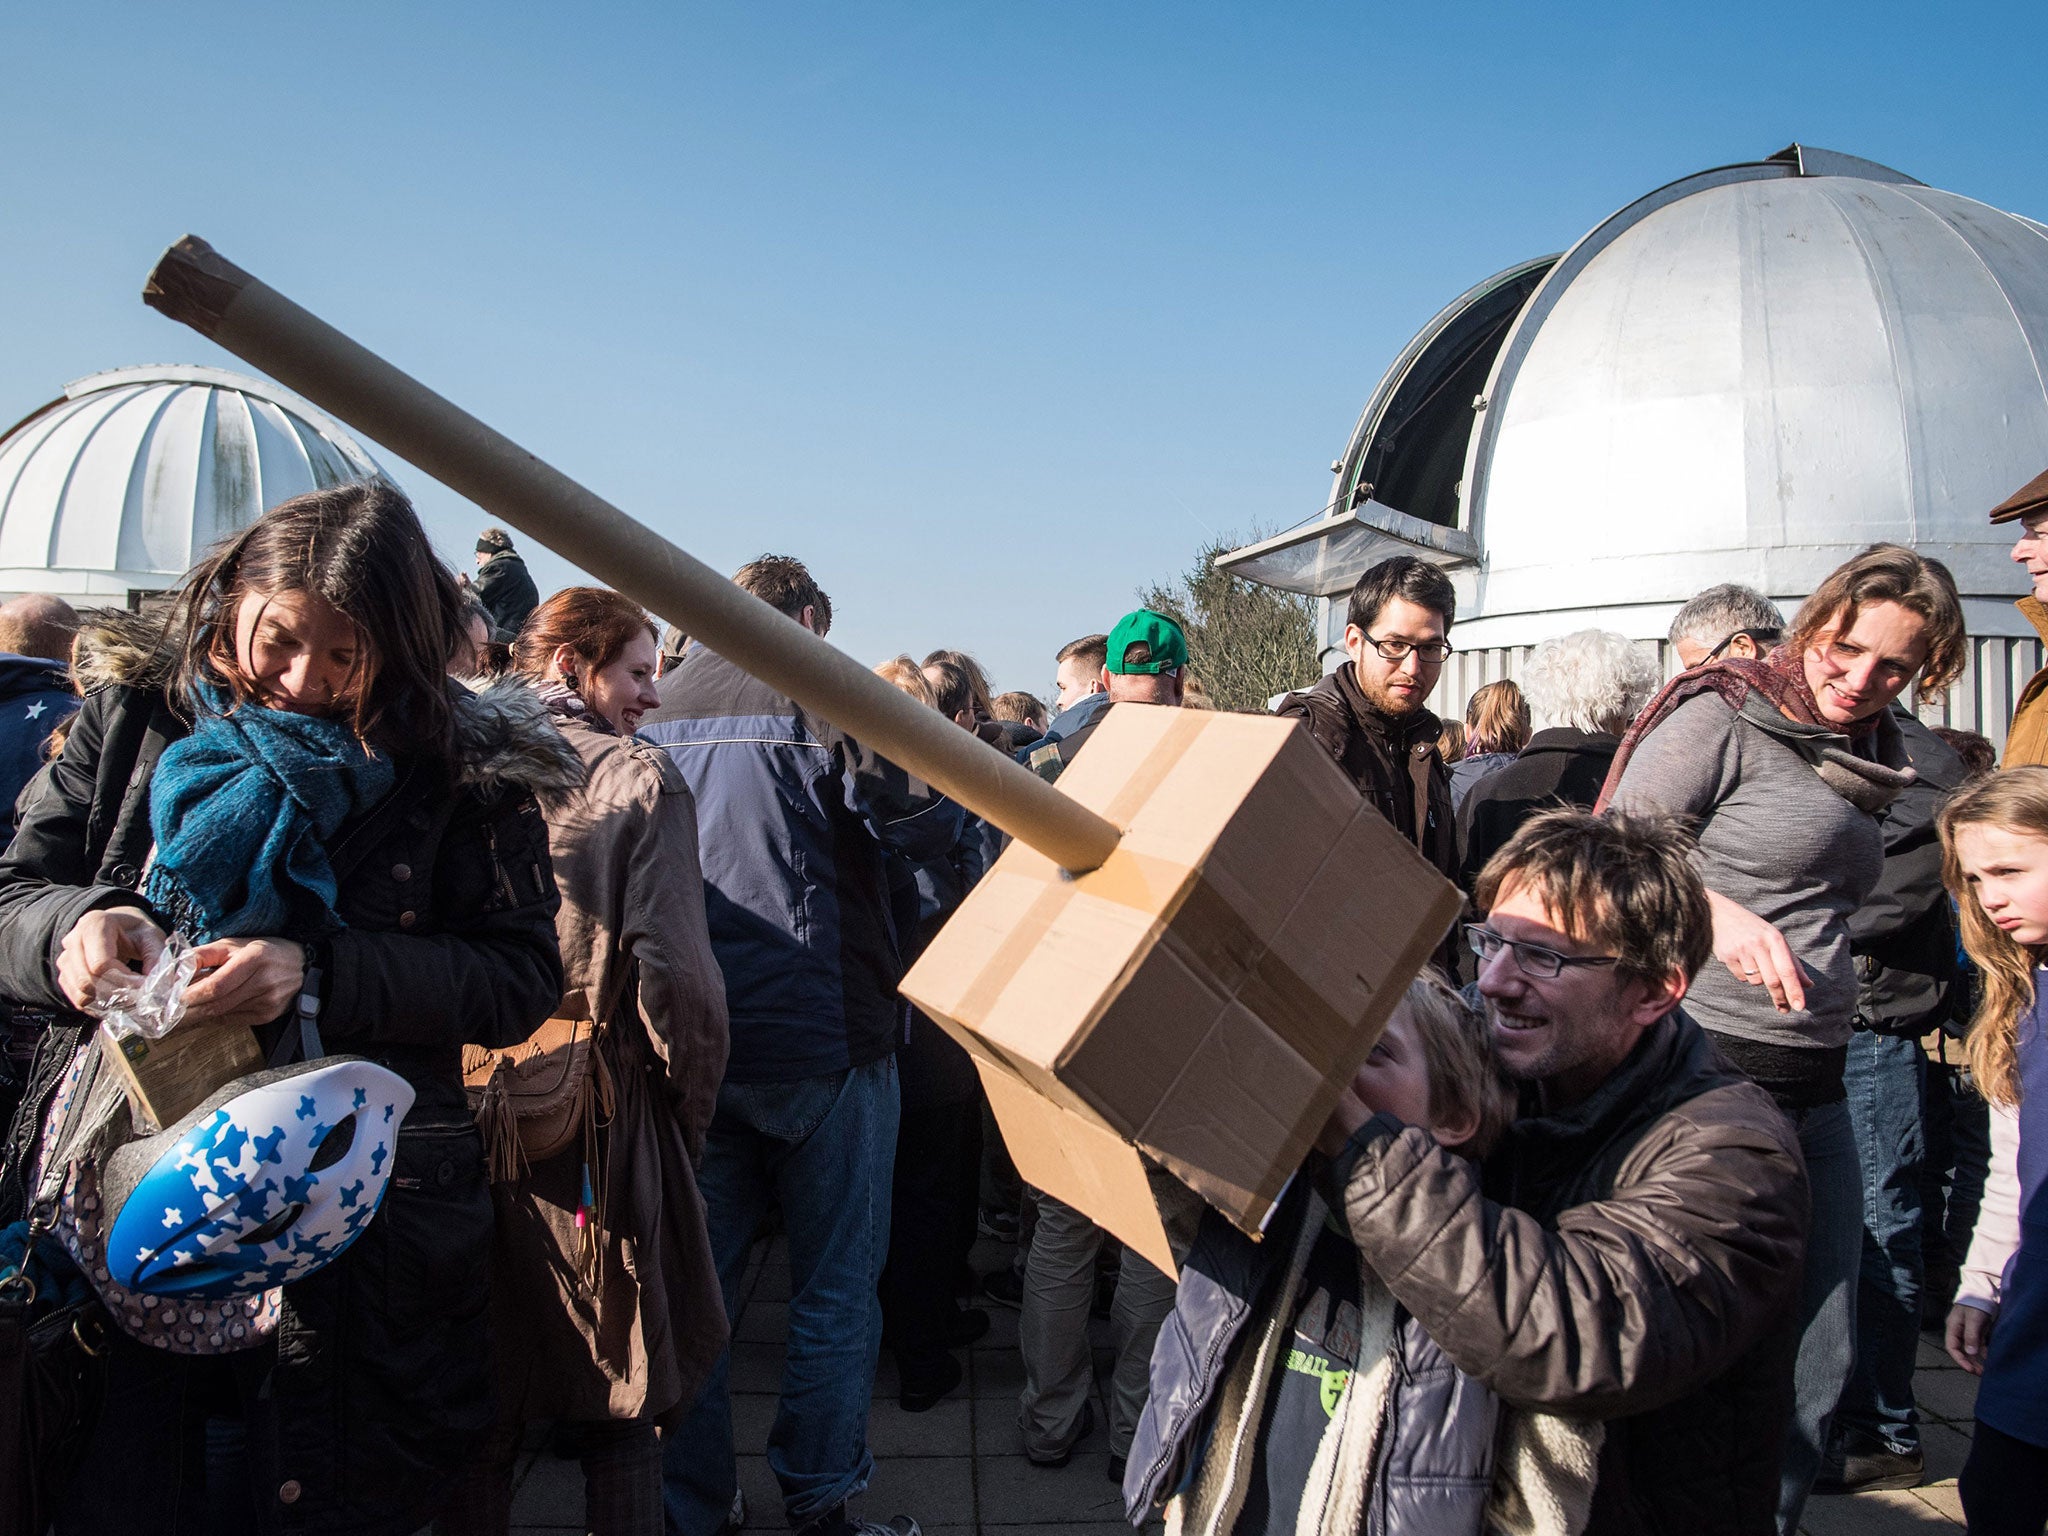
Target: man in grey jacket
[(1629, 1253)]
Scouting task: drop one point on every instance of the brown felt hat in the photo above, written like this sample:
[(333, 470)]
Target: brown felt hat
[(2031, 497)]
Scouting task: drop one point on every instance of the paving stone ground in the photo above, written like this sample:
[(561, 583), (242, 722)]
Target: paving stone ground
[(960, 1469)]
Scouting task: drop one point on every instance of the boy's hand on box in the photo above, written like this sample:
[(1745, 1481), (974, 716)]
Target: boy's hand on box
[(1351, 1112)]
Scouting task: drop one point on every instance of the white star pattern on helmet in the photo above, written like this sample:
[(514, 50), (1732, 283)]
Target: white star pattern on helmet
[(172, 1215)]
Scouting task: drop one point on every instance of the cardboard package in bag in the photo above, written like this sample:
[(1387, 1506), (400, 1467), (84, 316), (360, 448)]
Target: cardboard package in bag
[(1203, 997)]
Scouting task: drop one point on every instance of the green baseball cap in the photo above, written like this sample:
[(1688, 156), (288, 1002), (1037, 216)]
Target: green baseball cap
[(1169, 645)]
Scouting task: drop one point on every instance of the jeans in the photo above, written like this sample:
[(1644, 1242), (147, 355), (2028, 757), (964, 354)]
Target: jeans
[(1827, 1298), (1884, 1078), (1059, 1285), (823, 1150)]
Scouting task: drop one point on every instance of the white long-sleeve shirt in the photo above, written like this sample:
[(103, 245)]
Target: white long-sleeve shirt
[(1996, 1236)]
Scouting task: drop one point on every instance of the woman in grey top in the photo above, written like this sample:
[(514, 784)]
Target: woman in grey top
[(1786, 764)]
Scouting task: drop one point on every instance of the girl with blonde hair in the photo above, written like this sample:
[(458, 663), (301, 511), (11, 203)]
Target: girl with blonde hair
[(1994, 838)]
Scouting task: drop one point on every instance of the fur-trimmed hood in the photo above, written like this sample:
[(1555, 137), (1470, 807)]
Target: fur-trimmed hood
[(504, 738)]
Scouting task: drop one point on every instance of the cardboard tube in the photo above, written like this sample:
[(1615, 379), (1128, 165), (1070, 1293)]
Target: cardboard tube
[(196, 285)]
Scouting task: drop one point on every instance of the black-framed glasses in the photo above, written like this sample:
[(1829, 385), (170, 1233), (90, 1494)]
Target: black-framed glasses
[(1533, 959), (1436, 651), (1762, 638)]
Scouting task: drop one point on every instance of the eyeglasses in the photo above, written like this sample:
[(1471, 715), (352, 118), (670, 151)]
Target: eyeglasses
[(1434, 651), (1761, 637), (1532, 959)]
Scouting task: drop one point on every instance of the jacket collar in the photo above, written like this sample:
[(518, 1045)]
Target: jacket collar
[(2036, 613), (1082, 712), (1565, 738), (1673, 1062), (1397, 733), (31, 674)]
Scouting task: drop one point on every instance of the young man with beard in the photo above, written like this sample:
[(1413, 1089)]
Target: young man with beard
[(1628, 1255), (1369, 713)]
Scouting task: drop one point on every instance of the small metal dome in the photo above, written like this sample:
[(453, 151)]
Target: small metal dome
[(122, 484)]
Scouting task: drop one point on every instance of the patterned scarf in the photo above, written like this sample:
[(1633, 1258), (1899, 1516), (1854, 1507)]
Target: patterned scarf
[(1868, 769), (242, 809), (565, 703)]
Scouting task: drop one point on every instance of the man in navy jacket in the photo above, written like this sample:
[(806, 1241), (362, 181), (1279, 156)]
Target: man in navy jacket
[(35, 690), (795, 819)]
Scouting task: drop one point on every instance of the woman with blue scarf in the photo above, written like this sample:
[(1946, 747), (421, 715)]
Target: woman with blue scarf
[(284, 774)]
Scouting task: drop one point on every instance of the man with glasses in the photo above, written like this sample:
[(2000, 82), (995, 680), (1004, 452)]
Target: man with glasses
[(1369, 714), (1729, 620), (1629, 1253)]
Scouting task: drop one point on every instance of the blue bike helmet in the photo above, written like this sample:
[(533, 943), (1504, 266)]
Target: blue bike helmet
[(269, 1179)]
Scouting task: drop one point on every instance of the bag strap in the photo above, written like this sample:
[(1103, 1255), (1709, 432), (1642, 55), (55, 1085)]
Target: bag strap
[(301, 1040)]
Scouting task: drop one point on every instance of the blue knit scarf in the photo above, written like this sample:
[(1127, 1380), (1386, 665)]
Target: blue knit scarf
[(242, 809)]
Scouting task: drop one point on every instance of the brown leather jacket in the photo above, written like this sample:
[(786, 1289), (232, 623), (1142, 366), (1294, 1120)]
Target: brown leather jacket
[(1633, 1259), (2026, 744), (635, 942), (1394, 762)]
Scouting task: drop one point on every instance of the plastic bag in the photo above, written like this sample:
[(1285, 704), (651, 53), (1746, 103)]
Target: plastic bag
[(153, 1009)]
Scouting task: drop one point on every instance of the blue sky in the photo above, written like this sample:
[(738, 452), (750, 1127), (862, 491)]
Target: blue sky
[(992, 313)]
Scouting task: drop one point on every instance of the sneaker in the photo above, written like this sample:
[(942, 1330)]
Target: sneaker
[(837, 1524), (1869, 1468), (1005, 1288)]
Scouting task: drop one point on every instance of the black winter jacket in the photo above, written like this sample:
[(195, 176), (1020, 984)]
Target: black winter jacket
[(1632, 1259), (1394, 762), (1903, 938), (1559, 766), (380, 1386), (506, 589)]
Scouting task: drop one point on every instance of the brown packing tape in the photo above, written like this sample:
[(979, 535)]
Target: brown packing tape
[(1182, 732), (1270, 991)]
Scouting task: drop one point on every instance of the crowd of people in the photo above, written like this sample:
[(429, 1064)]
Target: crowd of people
[(1730, 1083)]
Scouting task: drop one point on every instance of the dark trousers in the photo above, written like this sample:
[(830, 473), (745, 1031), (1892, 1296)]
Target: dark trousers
[(931, 1228), (168, 1453), (1952, 1177), (621, 1460), (2004, 1485)]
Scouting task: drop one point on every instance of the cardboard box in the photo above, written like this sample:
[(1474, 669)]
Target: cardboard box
[(1204, 996), (169, 1078)]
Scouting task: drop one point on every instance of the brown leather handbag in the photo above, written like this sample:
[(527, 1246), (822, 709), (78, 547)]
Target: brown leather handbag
[(532, 1101)]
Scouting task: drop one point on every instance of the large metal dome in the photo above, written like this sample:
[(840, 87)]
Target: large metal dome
[(1746, 376), (118, 487)]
